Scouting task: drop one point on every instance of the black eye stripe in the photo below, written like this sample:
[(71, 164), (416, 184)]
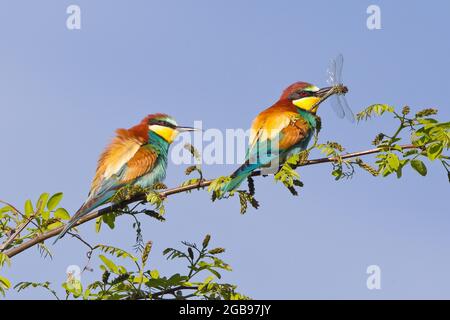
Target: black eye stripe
[(306, 93), (301, 94), (162, 123)]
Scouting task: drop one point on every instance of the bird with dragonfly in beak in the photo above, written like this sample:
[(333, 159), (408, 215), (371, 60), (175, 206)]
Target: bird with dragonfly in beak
[(286, 128), (136, 157)]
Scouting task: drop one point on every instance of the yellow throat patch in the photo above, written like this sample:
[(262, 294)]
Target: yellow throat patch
[(168, 134), (308, 103)]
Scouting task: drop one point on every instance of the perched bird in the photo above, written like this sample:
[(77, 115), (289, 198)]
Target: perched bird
[(135, 157), (281, 130)]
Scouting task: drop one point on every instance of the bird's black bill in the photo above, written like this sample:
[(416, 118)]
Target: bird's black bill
[(325, 92), (186, 129)]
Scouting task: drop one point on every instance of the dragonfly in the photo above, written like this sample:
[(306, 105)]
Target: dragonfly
[(337, 96)]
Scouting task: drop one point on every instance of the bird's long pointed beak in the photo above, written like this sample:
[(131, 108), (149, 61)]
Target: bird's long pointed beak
[(186, 129), (323, 94)]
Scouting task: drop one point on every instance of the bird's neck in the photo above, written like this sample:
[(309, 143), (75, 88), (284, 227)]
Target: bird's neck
[(158, 142), (310, 117)]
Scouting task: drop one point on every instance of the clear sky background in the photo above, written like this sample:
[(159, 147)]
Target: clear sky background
[(63, 93)]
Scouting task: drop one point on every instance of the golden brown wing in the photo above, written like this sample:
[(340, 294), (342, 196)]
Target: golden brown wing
[(271, 122), (123, 147), (140, 164), (294, 133)]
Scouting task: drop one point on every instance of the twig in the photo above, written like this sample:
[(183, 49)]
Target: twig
[(158, 294), (195, 186), (17, 212), (81, 239), (88, 254), (16, 232)]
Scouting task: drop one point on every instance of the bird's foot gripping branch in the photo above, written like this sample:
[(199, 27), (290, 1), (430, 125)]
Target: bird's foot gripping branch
[(419, 138)]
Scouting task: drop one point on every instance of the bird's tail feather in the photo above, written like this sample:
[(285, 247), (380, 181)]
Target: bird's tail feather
[(68, 226), (238, 177), (87, 207)]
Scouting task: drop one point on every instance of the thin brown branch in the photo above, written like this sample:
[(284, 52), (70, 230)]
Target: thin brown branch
[(18, 213), (159, 294), (14, 210), (16, 232), (88, 254), (195, 186)]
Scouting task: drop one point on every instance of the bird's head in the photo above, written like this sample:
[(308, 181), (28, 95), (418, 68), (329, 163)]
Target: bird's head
[(306, 96), (165, 126)]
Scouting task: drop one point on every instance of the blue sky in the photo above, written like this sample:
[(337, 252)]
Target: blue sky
[(63, 93)]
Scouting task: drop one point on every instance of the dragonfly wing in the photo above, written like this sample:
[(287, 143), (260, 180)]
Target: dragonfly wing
[(331, 73), (339, 62), (336, 105), (338, 101), (346, 108)]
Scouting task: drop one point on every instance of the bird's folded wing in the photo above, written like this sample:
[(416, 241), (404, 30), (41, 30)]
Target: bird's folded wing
[(121, 150), (293, 134), (268, 126), (140, 164)]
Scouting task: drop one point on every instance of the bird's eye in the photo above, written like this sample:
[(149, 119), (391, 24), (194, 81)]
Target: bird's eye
[(157, 123), (304, 94), (299, 95)]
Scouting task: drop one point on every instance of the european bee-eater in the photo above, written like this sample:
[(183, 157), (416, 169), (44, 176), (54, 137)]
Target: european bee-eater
[(281, 130), (135, 157)]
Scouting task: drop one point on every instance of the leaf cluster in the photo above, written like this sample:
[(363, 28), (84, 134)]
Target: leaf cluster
[(121, 282)]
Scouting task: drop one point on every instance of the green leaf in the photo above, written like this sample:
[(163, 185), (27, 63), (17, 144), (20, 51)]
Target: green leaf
[(122, 270), (4, 259), (54, 201), (73, 287), (387, 171), (45, 285), (108, 263), (399, 172), (45, 215), (375, 109), (177, 279), (208, 279), (98, 224), (62, 214), (434, 150), (54, 225), (215, 272), (5, 282), (154, 274), (140, 279), (393, 161), (5, 209), (419, 166), (86, 294), (109, 219), (410, 152), (42, 202), (117, 252), (28, 208)]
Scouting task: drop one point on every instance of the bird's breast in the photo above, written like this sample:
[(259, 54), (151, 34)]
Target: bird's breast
[(158, 174)]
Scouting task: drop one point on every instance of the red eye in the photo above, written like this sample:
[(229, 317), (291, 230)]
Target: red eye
[(304, 94)]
